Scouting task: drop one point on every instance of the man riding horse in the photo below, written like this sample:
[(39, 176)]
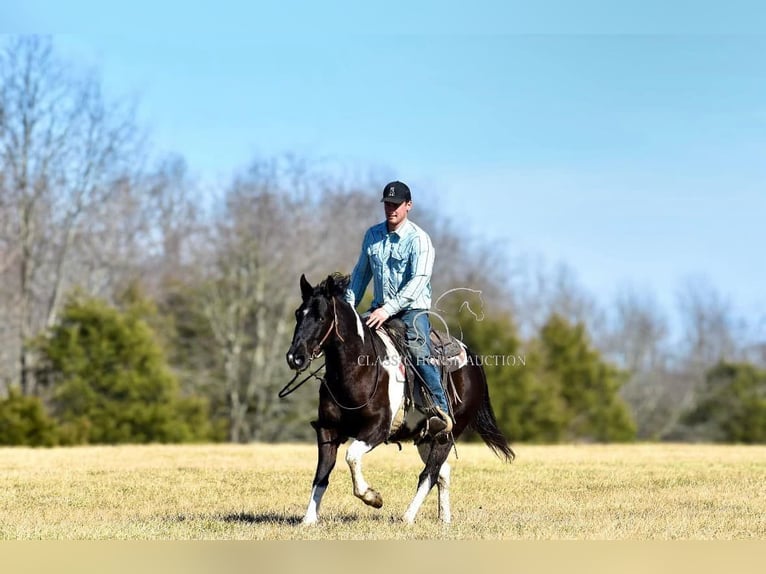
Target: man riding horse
[(360, 397), (398, 257)]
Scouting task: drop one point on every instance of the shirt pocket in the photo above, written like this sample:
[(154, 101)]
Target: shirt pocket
[(376, 261), (397, 262)]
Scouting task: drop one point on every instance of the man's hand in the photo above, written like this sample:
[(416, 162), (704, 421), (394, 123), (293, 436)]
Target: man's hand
[(377, 318)]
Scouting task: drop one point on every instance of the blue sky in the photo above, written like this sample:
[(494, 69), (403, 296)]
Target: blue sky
[(631, 148)]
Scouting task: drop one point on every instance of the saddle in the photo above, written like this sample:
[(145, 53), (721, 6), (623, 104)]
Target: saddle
[(447, 353)]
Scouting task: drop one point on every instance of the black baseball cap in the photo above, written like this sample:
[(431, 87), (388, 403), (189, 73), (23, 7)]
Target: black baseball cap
[(396, 192)]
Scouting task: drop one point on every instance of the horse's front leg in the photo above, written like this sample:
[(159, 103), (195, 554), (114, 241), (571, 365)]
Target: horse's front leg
[(362, 490), (327, 444)]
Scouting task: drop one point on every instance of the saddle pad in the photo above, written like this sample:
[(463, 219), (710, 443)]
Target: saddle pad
[(394, 366)]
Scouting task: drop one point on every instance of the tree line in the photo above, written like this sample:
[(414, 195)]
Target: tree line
[(137, 305)]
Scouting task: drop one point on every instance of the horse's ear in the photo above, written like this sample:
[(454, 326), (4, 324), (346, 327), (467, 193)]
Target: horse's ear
[(306, 288), (330, 286)]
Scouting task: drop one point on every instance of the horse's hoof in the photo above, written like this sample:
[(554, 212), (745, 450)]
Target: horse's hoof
[(309, 521), (372, 498)]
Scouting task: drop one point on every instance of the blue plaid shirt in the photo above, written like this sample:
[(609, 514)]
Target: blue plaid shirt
[(400, 265)]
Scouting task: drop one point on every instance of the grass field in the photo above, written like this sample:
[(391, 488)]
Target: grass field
[(635, 492)]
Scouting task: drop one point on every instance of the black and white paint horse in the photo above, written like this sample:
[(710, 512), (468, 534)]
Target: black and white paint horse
[(363, 392)]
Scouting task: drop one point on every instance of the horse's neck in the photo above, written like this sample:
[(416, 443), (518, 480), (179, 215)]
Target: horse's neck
[(354, 326), (354, 339)]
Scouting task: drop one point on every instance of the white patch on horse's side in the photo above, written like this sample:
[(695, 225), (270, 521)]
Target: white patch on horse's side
[(354, 455), (312, 512), (359, 326), (392, 363)]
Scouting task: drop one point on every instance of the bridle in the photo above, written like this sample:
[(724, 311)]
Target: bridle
[(290, 388), (333, 324)]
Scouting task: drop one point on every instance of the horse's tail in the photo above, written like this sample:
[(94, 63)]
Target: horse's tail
[(485, 424)]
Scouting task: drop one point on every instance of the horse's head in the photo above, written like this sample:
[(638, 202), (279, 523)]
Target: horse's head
[(315, 319)]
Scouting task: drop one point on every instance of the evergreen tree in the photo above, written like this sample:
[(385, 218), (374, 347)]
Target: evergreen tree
[(587, 385), (732, 405), (554, 388), (527, 407), (24, 421), (109, 380), (192, 351)]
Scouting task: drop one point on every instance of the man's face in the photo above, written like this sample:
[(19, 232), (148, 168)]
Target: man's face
[(396, 212)]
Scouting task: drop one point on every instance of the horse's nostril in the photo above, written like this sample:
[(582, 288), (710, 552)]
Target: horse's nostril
[(295, 361)]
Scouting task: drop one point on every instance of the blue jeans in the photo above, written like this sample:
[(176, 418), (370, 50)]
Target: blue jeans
[(419, 344)]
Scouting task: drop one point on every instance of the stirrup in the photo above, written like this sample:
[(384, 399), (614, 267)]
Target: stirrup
[(439, 423)]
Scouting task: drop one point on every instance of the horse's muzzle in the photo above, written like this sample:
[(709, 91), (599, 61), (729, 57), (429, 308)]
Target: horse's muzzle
[(296, 360)]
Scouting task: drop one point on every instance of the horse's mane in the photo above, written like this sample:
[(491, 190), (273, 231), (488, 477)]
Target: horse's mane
[(335, 285)]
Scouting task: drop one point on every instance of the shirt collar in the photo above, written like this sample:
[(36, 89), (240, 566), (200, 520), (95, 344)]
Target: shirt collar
[(402, 231)]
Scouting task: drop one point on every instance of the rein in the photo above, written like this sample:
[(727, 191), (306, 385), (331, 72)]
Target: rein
[(289, 389), (377, 379)]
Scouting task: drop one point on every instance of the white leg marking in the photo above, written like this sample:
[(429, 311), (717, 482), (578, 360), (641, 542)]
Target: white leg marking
[(420, 496), (354, 454), (443, 486), (313, 510)]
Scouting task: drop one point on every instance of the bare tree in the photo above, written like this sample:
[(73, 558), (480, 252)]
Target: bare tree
[(711, 332), (639, 336), (171, 211), (539, 291), (233, 302), (63, 150), (266, 233), (638, 341)]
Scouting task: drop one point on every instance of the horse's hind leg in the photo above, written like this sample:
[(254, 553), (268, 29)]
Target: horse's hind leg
[(362, 490), (437, 471), (327, 443), (442, 484)]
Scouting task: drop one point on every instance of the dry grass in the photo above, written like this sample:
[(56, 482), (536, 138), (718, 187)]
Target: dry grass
[(636, 492)]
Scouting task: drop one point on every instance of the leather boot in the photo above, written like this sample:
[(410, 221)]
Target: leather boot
[(440, 422)]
